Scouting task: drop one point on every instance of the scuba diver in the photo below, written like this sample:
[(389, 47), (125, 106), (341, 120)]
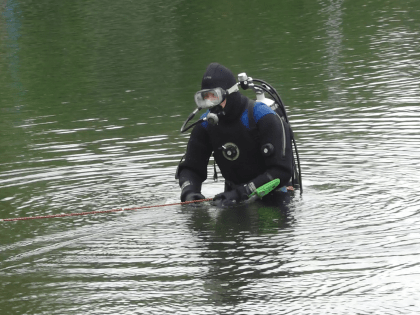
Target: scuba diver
[(251, 141)]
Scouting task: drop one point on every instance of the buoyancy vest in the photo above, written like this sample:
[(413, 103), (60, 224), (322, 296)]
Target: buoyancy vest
[(237, 147)]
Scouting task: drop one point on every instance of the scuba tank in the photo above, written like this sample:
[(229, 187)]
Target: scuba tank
[(276, 104)]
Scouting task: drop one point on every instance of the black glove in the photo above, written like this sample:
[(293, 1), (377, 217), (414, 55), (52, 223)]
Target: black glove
[(232, 197), (194, 196), (191, 192)]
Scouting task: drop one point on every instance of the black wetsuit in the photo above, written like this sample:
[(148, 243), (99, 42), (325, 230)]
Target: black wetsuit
[(251, 145)]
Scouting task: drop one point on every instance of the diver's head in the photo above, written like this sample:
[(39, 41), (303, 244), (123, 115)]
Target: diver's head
[(218, 76)]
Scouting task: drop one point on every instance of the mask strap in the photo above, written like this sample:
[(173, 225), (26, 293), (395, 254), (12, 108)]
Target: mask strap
[(233, 89)]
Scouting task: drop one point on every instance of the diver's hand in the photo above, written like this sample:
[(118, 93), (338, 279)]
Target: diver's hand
[(232, 197), (226, 199), (194, 196)]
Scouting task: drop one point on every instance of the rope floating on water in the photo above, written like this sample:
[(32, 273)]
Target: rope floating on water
[(100, 211)]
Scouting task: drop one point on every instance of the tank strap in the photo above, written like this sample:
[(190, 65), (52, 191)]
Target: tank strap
[(251, 121)]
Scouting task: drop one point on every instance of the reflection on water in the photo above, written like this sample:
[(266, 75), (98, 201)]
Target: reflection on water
[(334, 50), (106, 136)]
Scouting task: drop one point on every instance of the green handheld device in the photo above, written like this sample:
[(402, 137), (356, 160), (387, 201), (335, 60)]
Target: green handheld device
[(264, 189)]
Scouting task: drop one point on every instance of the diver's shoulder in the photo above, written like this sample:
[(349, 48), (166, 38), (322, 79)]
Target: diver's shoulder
[(261, 110)]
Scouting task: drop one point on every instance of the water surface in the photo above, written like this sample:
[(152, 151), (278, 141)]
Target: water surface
[(92, 98)]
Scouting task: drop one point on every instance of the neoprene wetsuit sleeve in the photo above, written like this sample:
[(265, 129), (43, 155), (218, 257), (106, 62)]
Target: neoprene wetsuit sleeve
[(193, 170)]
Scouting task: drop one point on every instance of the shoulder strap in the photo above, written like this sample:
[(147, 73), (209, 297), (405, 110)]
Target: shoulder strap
[(251, 121)]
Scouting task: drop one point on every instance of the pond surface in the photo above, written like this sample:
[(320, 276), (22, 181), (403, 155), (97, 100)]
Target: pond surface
[(92, 98)]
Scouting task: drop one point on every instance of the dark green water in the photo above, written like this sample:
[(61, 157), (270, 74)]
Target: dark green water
[(92, 97)]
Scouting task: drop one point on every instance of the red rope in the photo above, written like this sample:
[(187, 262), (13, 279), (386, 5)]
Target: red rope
[(101, 211)]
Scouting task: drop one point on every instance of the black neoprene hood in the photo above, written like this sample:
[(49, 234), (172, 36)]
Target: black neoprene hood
[(217, 75)]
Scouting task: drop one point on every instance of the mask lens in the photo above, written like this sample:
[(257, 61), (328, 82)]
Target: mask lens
[(209, 98)]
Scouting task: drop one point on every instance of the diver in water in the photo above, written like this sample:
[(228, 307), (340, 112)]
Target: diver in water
[(250, 142)]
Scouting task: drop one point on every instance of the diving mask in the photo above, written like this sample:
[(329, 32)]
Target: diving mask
[(209, 98)]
